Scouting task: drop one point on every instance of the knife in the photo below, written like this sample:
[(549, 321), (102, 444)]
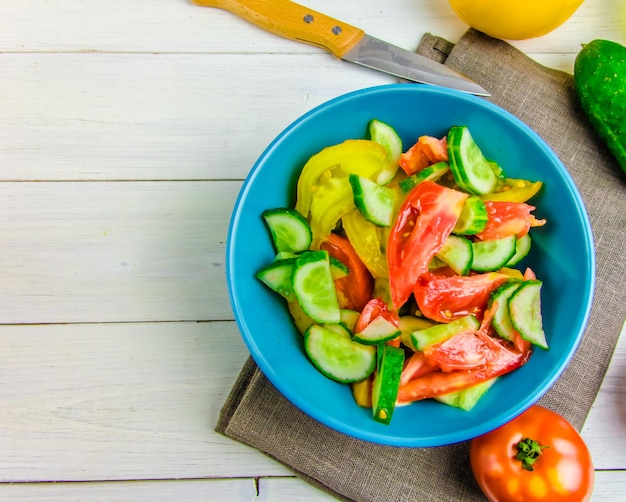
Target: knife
[(297, 22)]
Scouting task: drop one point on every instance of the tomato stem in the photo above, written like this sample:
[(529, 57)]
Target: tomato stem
[(528, 451)]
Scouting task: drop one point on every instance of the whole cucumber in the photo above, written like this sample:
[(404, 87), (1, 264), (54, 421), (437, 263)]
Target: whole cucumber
[(600, 82)]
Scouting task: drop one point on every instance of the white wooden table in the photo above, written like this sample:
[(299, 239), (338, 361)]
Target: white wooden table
[(126, 129)]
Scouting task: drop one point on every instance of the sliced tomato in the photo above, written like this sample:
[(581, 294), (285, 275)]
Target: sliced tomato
[(425, 220), (499, 361), (425, 152), (373, 309), (416, 366), (464, 351), (444, 299), (508, 218), (529, 274), (355, 289)]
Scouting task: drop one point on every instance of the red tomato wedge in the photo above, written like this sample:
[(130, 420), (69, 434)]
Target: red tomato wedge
[(425, 152), (417, 365), (464, 351), (425, 220), (444, 299), (508, 218), (355, 289), (499, 361)]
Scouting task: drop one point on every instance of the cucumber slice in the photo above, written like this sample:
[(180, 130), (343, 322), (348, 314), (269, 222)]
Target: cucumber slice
[(290, 230), (525, 311), (430, 173), (473, 218), (314, 288), (408, 324), (277, 277), (338, 269), (472, 171), (338, 357), (522, 248), (340, 329), (349, 318), (380, 330), (501, 319), (387, 136), (466, 399), (457, 253), (442, 332), (387, 382), (494, 254), (375, 202)]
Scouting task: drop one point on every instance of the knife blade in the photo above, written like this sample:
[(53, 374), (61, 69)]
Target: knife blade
[(297, 22)]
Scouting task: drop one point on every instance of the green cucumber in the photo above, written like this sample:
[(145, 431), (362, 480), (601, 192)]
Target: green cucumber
[(472, 171), (314, 288), (338, 357), (457, 253), (600, 82), (349, 318), (494, 254), (408, 324), (375, 202), (502, 319), (466, 399), (277, 277), (525, 312), (473, 218), (430, 173), (380, 330), (338, 269), (387, 136), (290, 230), (441, 332), (387, 382), (522, 248)]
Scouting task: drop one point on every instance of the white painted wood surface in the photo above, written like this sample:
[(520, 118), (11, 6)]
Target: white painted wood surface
[(126, 128)]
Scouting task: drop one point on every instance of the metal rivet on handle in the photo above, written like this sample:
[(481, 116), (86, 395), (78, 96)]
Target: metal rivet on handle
[(308, 18), (337, 30)]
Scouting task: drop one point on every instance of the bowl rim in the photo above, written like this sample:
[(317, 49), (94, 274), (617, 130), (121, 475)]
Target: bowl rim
[(299, 401)]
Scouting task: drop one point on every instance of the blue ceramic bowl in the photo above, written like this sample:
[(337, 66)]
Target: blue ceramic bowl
[(562, 257)]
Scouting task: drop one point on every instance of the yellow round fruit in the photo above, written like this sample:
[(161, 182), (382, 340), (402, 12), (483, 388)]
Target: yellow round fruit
[(515, 19)]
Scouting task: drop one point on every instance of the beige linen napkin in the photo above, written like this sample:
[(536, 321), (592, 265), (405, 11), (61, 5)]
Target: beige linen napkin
[(258, 415)]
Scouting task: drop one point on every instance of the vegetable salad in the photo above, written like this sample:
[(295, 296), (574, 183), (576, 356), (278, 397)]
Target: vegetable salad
[(400, 268)]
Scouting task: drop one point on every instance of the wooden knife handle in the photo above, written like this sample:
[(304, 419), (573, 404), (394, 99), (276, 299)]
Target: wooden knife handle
[(293, 21)]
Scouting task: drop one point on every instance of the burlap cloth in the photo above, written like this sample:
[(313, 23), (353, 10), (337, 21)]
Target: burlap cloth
[(258, 415)]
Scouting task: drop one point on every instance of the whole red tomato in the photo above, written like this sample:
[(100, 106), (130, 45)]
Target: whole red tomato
[(537, 456)]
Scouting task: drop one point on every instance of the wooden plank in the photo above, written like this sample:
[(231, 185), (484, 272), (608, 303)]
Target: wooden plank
[(120, 402), (610, 486), (128, 26), (94, 252), (155, 117), (199, 490), (140, 401)]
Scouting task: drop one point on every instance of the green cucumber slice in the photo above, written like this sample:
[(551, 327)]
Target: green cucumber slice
[(466, 399), (441, 332), (290, 230), (380, 330), (349, 318), (457, 253), (338, 269), (472, 171), (522, 248), (387, 136), (473, 218), (314, 288), (430, 173), (525, 311), (338, 357), (501, 319), (375, 202), (277, 277), (408, 324), (494, 254), (387, 382)]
